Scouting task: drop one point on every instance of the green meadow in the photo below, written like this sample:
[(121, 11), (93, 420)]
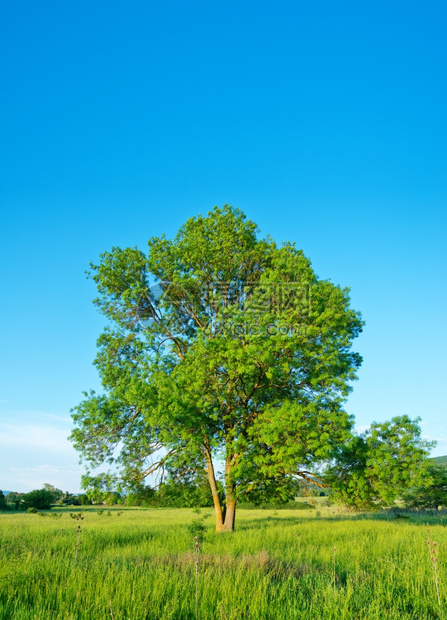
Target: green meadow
[(141, 564)]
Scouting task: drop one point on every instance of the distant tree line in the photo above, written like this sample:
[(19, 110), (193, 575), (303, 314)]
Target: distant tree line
[(41, 499), (192, 491)]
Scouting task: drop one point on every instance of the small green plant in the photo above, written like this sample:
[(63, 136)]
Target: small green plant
[(197, 528), (51, 515), (32, 510)]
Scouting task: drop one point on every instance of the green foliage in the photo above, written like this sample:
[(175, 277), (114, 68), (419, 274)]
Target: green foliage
[(55, 515), (174, 493), (41, 499), (290, 505), (100, 488), (182, 495), (197, 528), (84, 500), (56, 493), (14, 500), (272, 492), (113, 499), (375, 468), (3, 502), (69, 499), (32, 510), (243, 356), (141, 496), (433, 493)]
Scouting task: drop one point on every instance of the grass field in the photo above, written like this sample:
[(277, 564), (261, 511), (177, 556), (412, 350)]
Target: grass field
[(140, 564)]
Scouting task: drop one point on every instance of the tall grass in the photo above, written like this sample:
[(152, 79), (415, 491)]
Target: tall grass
[(275, 566)]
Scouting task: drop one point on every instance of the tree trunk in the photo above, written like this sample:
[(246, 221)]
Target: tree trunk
[(225, 518), (230, 500), (215, 492), (230, 517)]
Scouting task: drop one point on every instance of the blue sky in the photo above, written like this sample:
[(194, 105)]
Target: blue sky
[(324, 122)]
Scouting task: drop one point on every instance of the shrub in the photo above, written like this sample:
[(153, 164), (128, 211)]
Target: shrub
[(40, 498), (84, 500)]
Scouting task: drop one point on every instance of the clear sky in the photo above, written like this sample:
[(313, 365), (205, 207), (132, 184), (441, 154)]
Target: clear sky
[(325, 122)]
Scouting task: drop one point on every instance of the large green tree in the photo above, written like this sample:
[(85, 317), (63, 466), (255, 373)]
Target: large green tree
[(224, 352)]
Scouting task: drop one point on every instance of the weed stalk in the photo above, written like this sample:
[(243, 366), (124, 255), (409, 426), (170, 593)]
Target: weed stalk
[(335, 551), (79, 517), (433, 551)]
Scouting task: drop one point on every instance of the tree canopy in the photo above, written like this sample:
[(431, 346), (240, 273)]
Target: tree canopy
[(43, 499), (377, 467), (57, 493), (224, 352), (433, 493)]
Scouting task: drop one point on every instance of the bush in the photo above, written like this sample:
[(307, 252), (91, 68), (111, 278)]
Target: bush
[(113, 499), (84, 500), (32, 510), (40, 498)]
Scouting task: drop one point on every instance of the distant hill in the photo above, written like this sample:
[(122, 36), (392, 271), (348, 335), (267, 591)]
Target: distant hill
[(441, 460)]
